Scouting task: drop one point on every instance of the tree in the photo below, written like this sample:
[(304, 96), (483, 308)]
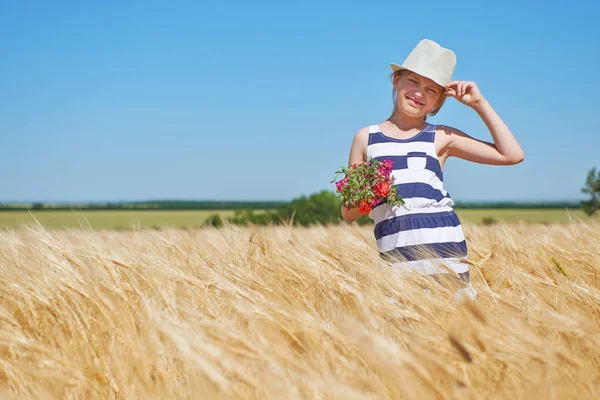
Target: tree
[(322, 208), (592, 187), (319, 208)]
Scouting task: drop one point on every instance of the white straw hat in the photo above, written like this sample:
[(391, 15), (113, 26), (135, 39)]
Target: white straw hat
[(430, 60)]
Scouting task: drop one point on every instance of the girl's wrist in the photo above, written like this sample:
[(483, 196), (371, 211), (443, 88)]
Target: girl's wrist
[(481, 106)]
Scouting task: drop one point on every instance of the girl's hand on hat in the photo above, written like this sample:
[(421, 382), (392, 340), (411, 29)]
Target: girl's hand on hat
[(466, 92)]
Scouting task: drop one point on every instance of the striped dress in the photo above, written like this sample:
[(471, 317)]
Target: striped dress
[(425, 234)]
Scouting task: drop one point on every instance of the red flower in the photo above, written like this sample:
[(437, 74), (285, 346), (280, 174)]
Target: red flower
[(364, 207), (382, 189)]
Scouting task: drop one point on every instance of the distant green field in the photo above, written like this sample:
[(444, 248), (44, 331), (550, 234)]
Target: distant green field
[(560, 215), (119, 219), (122, 219)]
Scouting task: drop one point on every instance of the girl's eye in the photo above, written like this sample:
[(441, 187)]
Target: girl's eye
[(431, 91), (413, 81)]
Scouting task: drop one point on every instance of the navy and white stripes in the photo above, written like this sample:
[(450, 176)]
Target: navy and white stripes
[(425, 234)]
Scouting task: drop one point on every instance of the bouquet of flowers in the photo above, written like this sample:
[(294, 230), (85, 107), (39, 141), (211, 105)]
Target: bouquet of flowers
[(366, 185)]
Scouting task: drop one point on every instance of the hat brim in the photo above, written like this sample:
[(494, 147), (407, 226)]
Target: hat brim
[(396, 67)]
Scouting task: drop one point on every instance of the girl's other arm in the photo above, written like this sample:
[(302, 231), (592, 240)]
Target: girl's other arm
[(357, 156), (504, 151)]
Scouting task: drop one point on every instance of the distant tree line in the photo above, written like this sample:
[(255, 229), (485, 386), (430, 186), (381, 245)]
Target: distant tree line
[(147, 205), (244, 206)]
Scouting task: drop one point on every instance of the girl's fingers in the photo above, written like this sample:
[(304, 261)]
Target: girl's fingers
[(472, 85), (459, 88), (468, 86), (452, 84)]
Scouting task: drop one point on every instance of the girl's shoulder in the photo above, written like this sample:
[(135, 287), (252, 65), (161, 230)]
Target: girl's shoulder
[(447, 129), (446, 137), (447, 133), (366, 130), (360, 142), (362, 135)]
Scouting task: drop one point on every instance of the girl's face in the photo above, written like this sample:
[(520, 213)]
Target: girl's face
[(416, 95)]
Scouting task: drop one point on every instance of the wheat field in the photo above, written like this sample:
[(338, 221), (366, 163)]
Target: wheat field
[(295, 313)]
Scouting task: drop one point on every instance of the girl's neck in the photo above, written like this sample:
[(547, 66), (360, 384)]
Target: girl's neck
[(406, 123)]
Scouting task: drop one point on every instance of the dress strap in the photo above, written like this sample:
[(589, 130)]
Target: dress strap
[(373, 128), (429, 132)]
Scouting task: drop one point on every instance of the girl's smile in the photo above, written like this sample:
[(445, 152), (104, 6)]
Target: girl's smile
[(414, 102)]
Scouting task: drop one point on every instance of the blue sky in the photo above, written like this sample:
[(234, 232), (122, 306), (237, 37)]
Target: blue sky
[(136, 100)]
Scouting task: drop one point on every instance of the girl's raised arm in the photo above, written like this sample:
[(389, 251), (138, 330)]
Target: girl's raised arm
[(504, 151)]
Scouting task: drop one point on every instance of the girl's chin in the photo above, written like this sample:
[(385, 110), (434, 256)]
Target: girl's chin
[(411, 112)]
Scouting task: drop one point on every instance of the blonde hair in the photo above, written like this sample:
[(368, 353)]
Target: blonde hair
[(399, 74)]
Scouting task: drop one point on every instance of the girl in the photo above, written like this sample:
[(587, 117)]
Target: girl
[(425, 235)]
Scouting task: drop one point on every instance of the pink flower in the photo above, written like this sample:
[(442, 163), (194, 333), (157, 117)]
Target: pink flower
[(340, 185), (385, 168)]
